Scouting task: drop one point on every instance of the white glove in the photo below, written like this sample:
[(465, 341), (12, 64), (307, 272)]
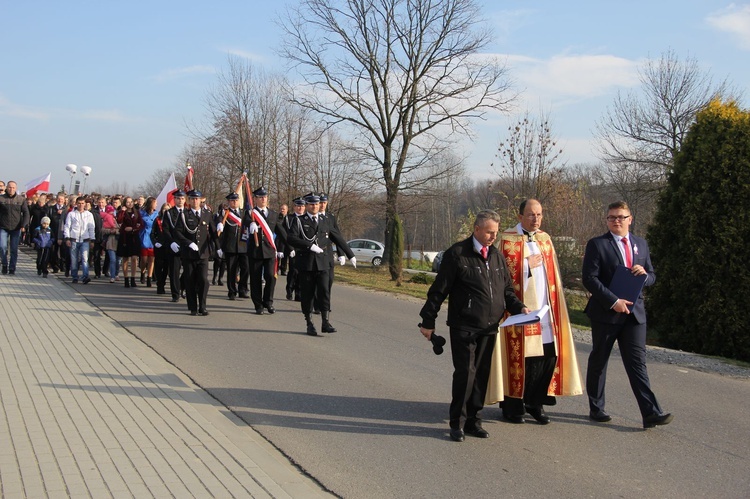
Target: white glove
[(353, 261), (219, 227), (292, 253), (220, 253), (253, 228), (157, 245), (279, 255), (175, 247), (316, 249), (342, 260), (193, 246)]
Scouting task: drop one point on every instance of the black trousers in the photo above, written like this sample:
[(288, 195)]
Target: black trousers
[(292, 281), (236, 265), (538, 373), (161, 267), (631, 338), (42, 257), (314, 290), (472, 356), (261, 269), (196, 283), (176, 282)]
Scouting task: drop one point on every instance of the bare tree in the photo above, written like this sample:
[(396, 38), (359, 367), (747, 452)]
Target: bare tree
[(529, 160), (401, 73), (642, 131)]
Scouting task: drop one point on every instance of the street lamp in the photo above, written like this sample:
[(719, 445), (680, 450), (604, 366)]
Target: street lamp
[(71, 168), (86, 170)]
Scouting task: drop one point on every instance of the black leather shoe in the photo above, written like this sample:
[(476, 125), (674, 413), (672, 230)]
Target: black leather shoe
[(271, 310), (220, 283), (203, 312), (175, 299), (457, 435), (538, 414), (513, 419), (657, 420), (259, 311), (311, 331), (232, 298), (477, 431), (244, 295), (193, 312), (600, 417), (289, 296), (327, 327)]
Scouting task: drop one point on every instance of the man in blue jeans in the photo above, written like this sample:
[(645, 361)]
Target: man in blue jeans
[(14, 216), (79, 234)]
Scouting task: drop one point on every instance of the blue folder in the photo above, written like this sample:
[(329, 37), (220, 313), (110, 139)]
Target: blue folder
[(627, 286)]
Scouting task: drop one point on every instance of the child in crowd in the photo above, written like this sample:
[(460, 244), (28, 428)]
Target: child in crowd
[(43, 241)]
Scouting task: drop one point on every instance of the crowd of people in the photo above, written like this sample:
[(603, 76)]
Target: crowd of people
[(135, 241), (523, 368)]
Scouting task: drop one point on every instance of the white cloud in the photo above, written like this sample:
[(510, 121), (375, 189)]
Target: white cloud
[(173, 74), (12, 110), (735, 20), (244, 54), (8, 108), (564, 77)]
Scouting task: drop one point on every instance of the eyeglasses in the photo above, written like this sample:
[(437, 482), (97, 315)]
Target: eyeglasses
[(621, 218)]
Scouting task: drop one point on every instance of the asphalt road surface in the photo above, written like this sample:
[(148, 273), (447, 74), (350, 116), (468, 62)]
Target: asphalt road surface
[(364, 410)]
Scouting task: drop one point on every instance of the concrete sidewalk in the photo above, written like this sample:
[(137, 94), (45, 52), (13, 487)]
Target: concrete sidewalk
[(88, 410)]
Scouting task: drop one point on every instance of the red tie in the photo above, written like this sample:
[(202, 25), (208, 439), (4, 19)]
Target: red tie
[(485, 250), (628, 256)]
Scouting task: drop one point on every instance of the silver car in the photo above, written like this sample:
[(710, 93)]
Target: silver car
[(367, 250)]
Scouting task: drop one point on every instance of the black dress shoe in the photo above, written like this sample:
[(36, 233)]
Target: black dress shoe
[(244, 295), (232, 298), (538, 414), (259, 311), (477, 431), (220, 283), (457, 435), (600, 417), (514, 419), (175, 299), (289, 296), (327, 327), (657, 419), (311, 331), (193, 312), (271, 310), (203, 312)]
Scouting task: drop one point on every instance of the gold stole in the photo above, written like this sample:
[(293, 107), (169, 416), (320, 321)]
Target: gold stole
[(507, 373)]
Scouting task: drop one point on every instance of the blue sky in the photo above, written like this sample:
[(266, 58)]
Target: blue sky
[(113, 85)]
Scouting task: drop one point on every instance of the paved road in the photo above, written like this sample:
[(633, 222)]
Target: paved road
[(363, 411)]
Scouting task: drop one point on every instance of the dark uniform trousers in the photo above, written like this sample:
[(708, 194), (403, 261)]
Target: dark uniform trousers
[(236, 265), (198, 229), (472, 358)]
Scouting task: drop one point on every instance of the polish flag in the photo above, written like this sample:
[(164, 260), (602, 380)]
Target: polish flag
[(167, 193), (40, 184)]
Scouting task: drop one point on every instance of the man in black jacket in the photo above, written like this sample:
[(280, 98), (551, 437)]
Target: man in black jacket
[(233, 236), (194, 233), (262, 256), (312, 238), (14, 216), (474, 274)]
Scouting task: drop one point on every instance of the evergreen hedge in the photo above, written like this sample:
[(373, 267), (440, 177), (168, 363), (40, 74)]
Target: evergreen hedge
[(700, 240)]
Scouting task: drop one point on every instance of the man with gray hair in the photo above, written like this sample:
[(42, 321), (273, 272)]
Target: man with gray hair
[(474, 274)]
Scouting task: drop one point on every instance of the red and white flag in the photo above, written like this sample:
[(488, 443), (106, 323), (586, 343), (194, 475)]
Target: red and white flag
[(40, 184), (167, 193)]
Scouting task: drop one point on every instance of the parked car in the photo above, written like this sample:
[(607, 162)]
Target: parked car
[(436, 261), (366, 250)]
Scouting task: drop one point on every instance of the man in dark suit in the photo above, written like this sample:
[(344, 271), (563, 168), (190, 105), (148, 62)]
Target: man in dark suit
[(233, 247), (612, 320), (312, 238), (292, 277), (169, 225), (263, 255), (195, 232), (474, 274)]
